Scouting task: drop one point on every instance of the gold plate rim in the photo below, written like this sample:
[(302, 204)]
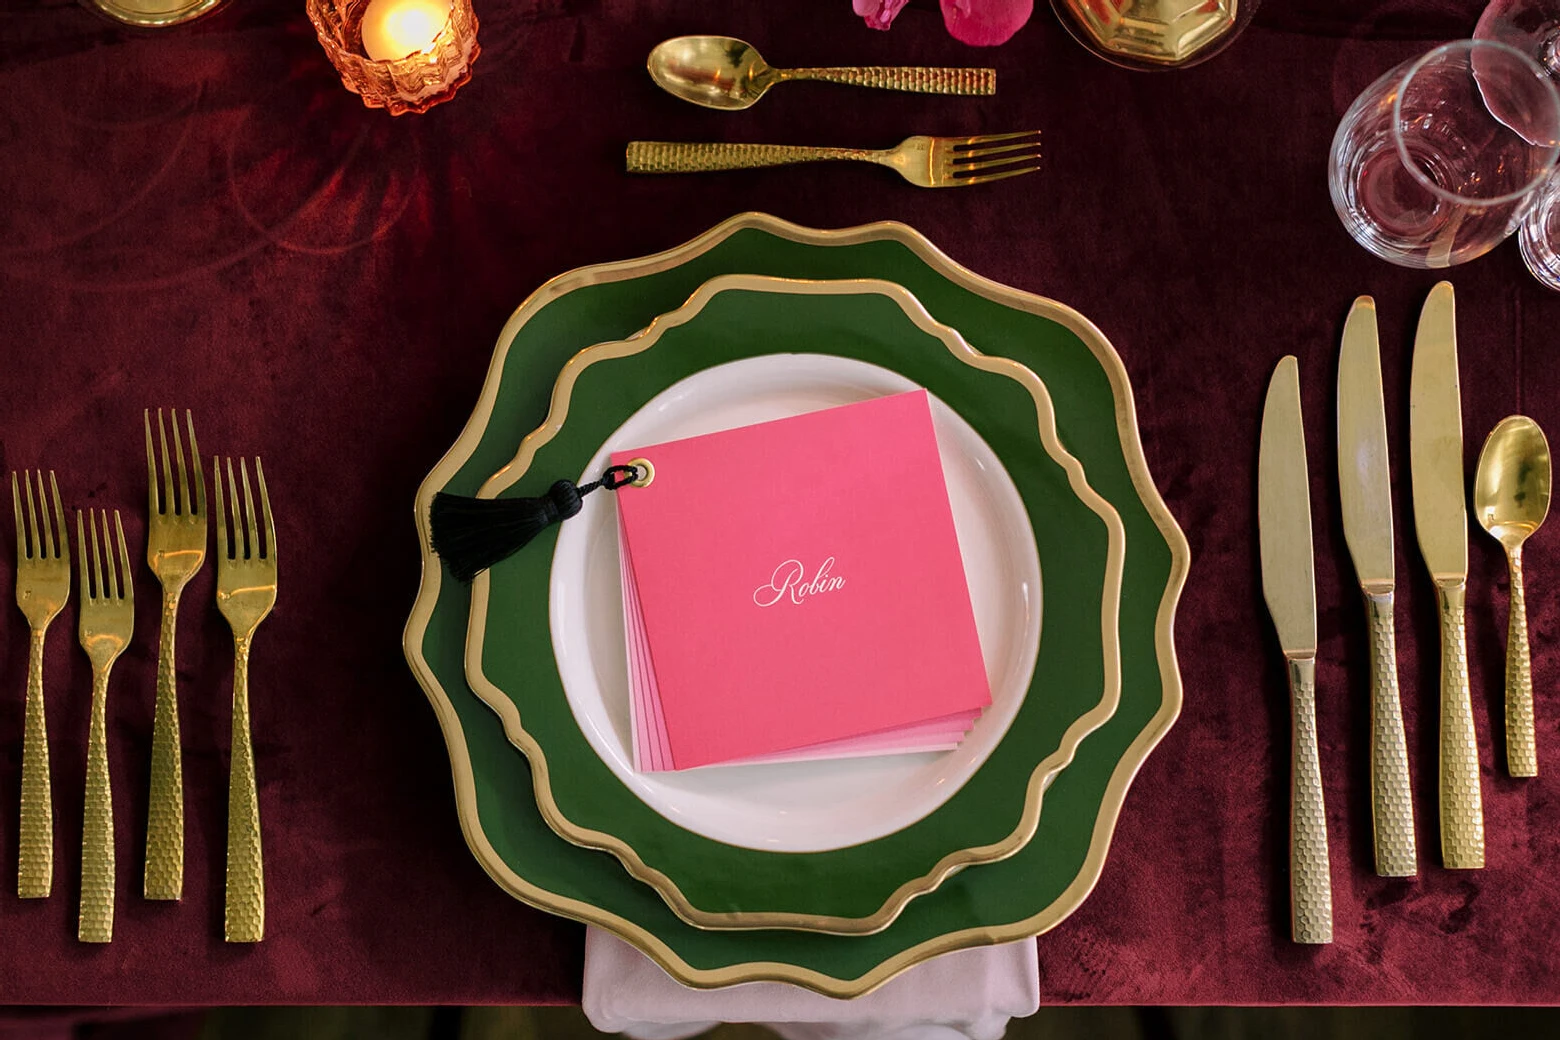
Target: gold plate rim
[(177, 13), (1121, 778), (1040, 776)]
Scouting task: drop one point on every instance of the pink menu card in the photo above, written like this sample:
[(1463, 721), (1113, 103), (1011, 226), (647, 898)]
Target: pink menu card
[(794, 590)]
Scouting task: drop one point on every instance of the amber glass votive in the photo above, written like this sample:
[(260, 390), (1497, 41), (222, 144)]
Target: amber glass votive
[(414, 83)]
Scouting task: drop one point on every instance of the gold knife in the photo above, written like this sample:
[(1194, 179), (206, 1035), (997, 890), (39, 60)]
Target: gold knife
[(1441, 520), (1289, 586), (1365, 490)]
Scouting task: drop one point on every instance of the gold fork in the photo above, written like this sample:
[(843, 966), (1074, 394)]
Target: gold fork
[(927, 162), (107, 620), (42, 588), (246, 592), (175, 550)]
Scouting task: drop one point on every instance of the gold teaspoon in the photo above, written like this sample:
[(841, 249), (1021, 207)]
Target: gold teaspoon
[(720, 72), (1510, 500)]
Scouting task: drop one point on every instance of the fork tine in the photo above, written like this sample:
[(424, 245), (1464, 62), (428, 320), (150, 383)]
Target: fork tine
[(989, 177), (62, 551), (200, 477), (249, 513), (81, 559), (99, 575), (35, 550), (170, 505), (125, 580), (991, 164), (980, 139), (45, 534), (21, 527), (110, 580), (961, 156), (265, 514), (224, 536), (182, 485), (151, 465), (236, 540)]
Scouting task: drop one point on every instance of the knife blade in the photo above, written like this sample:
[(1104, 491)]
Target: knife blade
[(1289, 586), (1365, 491), (1441, 523)]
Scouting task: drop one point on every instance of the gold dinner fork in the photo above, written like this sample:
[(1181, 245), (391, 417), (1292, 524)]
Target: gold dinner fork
[(107, 620), (175, 550), (927, 162), (42, 589), (246, 592)]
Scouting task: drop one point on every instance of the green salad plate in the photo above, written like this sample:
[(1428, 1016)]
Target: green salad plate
[(862, 837), (1024, 894)]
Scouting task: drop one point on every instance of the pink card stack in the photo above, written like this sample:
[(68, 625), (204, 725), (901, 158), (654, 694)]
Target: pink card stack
[(794, 590)]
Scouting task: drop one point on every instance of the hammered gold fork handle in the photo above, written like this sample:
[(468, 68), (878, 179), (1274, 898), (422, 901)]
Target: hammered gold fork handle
[(164, 877), (96, 922), (35, 868), (702, 157), (1462, 808), (912, 79), (1391, 798), (243, 915), (1310, 874), (1521, 748)]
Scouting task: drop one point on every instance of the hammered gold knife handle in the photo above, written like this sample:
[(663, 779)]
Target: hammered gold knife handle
[(164, 878), (915, 80), (1462, 808), (1521, 748), (1310, 875), (35, 866), (96, 921), (1391, 798), (243, 918), (702, 157)]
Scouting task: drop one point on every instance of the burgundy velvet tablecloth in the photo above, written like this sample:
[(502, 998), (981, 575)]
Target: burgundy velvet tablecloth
[(205, 218)]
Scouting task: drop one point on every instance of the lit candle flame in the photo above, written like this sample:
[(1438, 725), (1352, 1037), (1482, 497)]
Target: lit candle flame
[(394, 29)]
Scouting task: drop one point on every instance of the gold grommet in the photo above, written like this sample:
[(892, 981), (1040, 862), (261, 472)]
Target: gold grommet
[(647, 472)]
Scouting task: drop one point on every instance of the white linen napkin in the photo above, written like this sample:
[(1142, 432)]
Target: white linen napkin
[(966, 994)]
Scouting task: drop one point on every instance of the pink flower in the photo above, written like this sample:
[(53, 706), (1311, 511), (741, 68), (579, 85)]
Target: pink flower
[(879, 14), (985, 23)]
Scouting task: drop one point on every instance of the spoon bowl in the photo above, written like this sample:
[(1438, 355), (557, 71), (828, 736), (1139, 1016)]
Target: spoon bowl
[(1511, 488), (713, 71)]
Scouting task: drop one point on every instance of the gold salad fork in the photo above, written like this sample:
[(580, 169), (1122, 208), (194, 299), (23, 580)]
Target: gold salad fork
[(42, 588), (175, 550), (246, 592), (927, 162), (107, 620)]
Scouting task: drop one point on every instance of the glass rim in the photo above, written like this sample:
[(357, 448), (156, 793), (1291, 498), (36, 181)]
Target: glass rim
[(1413, 167)]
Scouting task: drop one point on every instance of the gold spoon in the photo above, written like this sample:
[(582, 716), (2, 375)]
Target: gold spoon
[(1510, 499), (720, 72)]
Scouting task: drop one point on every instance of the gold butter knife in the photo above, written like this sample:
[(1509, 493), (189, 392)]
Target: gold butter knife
[(1365, 491), (1441, 521), (1289, 586)]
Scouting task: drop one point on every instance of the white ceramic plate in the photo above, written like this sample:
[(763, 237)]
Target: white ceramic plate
[(796, 806)]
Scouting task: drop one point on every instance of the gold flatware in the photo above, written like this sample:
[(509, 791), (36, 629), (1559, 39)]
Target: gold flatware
[(42, 589), (926, 162), (1511, 498), (720, 72), (1441, 521), (106, 622), (1289, 587), (246, 592), (1365, 490), (154, 14), (175, 550)]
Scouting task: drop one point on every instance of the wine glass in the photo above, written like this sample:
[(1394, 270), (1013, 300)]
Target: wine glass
[(1438, 160), (1533, 27)]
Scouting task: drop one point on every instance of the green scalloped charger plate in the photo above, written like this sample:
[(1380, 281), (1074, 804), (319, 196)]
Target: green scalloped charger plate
[(1073, 688), (1022, 895)]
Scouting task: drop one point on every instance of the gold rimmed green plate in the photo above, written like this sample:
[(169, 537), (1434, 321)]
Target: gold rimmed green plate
[(982, 801), (1025, 894)]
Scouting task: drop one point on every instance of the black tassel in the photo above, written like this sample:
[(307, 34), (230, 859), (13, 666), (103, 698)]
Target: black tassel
[(472, 534)]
